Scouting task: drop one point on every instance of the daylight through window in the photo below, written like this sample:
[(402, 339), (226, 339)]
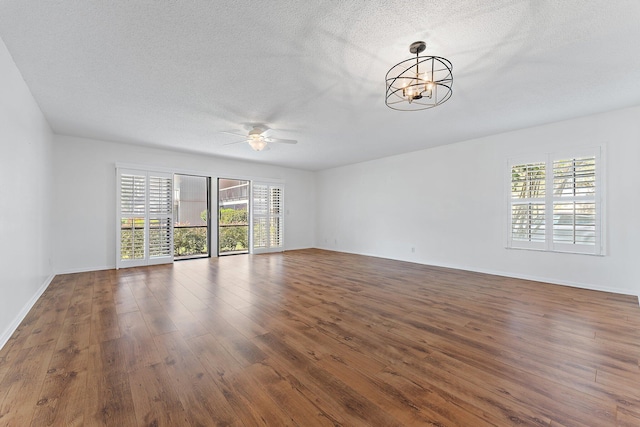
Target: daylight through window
[(555, 203)]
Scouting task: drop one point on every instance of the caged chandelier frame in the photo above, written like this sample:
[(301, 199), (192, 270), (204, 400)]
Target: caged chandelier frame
[(419, 83)]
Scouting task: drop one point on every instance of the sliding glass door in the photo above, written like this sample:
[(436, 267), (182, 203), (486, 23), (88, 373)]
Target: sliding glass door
[(233, 216), (191, 219), (164, 216)]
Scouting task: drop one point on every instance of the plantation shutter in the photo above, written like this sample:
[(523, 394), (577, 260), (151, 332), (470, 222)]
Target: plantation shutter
[(575, 219), (145, 212), (132, 222), (555, 204), (268, 217), (260, 216), (276, 219), (528, 218), (160, 218)]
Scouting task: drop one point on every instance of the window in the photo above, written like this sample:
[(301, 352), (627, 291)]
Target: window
[(191, 217), (268, 217), (555, 203), (145, 212), (233, 216), (133, 190), (528, 203)]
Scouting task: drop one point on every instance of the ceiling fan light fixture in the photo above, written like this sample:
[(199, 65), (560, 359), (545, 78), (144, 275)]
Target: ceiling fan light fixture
[(419, 83), (258, 140), (257, 144)]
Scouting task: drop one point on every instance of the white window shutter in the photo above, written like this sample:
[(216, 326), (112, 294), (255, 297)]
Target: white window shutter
[(268, 217), (131, 235), (575, 211), (556, 204), (145, 211), (260, 216), (276, 218), (133, 190), (160, 218), (527, 214)]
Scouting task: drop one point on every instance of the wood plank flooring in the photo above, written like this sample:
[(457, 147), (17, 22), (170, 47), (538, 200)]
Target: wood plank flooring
[(318, 338)]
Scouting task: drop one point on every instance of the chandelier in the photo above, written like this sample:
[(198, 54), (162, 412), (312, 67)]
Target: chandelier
[(419, 83)]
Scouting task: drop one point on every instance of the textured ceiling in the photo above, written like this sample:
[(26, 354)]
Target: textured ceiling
[(175, 74)]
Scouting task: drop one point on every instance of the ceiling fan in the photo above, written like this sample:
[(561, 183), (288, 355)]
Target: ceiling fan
[(257, 138)]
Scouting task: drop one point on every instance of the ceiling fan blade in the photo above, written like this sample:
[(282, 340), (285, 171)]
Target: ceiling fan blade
[(284, 141), (234, 133), (236, 142)]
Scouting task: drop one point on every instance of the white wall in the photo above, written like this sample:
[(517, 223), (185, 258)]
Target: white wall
[(84, 214), (25, 196), (449, 204)]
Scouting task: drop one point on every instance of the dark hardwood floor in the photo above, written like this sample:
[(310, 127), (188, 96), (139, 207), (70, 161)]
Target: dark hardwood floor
[(311, 337)]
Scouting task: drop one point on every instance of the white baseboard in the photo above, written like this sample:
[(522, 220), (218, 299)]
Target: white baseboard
[(23, 313), (505, 274), (298, 248), (564, 283), (545, 280), (86, 269)]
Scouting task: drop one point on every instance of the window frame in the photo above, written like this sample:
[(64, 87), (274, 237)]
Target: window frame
[(549, 199)]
